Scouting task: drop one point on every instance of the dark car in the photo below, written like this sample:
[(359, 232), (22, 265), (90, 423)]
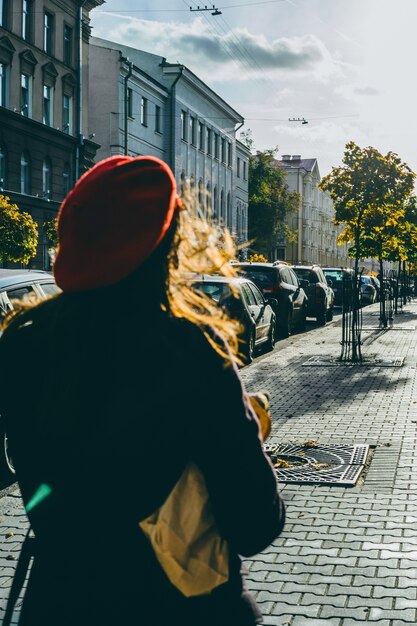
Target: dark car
[(277, 280), (17, 285), (335, 277), (320, 294), (247, 305)]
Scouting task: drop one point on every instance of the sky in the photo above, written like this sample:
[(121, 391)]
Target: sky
[(345, 66)]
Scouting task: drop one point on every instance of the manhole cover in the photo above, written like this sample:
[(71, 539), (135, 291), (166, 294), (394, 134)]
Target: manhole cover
[(323, 361), (337, 464)]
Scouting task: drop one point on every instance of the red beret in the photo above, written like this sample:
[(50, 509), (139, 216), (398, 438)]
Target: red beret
[(109, 224)]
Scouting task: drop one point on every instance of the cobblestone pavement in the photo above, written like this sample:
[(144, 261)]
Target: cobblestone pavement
[(348, 555)]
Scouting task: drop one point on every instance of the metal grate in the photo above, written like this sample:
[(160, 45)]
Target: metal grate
[(337, 464), (375, 361)]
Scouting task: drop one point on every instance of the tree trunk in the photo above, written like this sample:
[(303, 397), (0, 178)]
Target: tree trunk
[(382, 309)]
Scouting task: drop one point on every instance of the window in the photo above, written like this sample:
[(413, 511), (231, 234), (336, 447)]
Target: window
[(4, 6), (67, 44), (25, 173), (26, 19), (229, 154), (144, 111), (26, 95), (66, 180), (208, 200), (48, 105), (193, 131), (157, 119), (249, 295), (129, 102), (208, 141), (216, 203), (3, 84), (2, 168), (67, 114), (259, 299), (223, 150), (183, 125), (216, 146), (46, 179), (221, 212), (200, 136), (244, 170), (228, 219), (48, 32), (200, 196), (238, 167)]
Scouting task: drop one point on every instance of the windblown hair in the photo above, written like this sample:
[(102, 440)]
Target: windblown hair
[(193, 246)]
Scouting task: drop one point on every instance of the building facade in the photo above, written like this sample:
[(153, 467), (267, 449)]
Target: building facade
[(44, 136), (163, 109), (316, 233)]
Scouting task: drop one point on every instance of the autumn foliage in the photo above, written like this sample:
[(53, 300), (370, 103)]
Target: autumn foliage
[(18, 233)]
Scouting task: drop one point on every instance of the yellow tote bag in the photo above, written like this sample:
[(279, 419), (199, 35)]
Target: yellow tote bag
[(183, 531), (185, 538)]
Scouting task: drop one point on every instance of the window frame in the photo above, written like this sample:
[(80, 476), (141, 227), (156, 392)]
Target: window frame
[(25, 168), (68, 46), (144, 111), (184, 125), (67, 123), (26, 95), (50, 106), (48, 32), (27, 20)]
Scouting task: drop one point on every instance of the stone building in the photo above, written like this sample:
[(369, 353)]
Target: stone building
[(150, 106), (316, 232), (44, 136)]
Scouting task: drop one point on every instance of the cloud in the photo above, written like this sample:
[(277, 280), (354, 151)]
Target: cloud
[(366, 91), (205, 50)]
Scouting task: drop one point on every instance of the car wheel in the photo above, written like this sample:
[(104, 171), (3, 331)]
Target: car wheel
[(8, 459), (250, 348), (329, 315), (271, 338), (321, 318)]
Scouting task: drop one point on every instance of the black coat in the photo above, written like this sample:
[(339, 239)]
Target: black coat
[(108, 413)]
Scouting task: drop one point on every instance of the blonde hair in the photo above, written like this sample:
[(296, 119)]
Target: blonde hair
[(201, 246)]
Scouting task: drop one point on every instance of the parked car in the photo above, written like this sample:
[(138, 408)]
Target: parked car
[(320, 294), (277, 280), (16, 285), (247, 305), (334, 277), (368, 290)]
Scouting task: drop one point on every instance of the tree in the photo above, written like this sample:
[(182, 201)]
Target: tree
[(269, 202), (369, 192), (18, 233), (50, 227)]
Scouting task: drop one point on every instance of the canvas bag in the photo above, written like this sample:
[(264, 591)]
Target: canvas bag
[(185, 538), (183, 531)]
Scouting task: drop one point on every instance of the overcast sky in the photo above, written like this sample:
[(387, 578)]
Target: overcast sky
[(346, 66)]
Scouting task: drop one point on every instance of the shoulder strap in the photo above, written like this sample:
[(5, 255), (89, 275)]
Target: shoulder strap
[(26, 553)]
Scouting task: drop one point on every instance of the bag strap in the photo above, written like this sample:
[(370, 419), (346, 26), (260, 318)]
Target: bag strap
[(26, 553)]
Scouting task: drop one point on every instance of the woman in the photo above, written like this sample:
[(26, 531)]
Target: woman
[(131, 379)]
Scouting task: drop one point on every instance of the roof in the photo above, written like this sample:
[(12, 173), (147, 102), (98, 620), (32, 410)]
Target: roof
[(300, 164), (13, 277)]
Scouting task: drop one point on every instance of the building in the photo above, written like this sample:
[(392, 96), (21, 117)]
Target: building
[(150, 106), (316, 232), (44, 135)]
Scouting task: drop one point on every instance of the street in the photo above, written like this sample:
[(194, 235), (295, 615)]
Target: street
[(347, 554)]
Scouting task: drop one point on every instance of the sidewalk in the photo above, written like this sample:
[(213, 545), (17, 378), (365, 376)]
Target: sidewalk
[(348, 555)]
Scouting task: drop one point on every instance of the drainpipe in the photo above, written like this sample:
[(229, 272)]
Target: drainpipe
[(80, 136), (300, 221), (172, 155), (126, 103)]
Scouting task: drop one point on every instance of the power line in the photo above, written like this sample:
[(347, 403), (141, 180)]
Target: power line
[(228, 6)]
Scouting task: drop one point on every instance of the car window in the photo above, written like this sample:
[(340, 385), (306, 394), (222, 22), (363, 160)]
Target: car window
[(257, 294), (293, 276), (260, 275), (304, 273), (320, 276), (49, 289), (333, 274), (20, 292), (215, 291), (249, 295)]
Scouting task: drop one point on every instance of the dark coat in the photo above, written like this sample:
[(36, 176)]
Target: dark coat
[(108, 412)]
